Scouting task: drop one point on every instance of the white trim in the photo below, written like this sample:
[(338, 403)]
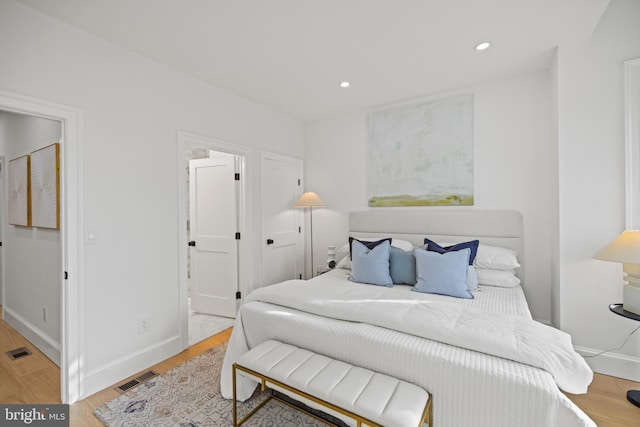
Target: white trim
[(632, 141), (245, 167), (72, 251), (613, 364), (36, 336), (102, 377)]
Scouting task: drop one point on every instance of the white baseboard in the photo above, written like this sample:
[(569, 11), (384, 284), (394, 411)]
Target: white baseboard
[(613, 364), (114, 372), (34, 335)]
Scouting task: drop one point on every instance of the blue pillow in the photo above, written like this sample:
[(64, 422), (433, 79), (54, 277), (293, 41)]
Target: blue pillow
[(472, 279), (369, 245), (472, 245), (444, 274), (371, 265), (402, 266)]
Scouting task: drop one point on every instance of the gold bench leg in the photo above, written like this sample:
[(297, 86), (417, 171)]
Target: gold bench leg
[(235, 401)]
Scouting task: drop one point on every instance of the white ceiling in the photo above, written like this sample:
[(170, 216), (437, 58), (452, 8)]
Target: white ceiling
[(291, 55)]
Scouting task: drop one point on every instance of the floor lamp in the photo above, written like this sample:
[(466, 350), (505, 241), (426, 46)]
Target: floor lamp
[(310, 200)]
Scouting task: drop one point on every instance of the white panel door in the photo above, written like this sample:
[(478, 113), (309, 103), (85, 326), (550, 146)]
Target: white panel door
[(282, 242), (213, 227)]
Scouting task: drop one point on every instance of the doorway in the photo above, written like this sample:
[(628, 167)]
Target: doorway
[(213, 184), (71, 223), (32, 268)]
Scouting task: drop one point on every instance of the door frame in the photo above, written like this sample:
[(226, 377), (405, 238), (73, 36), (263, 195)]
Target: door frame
[(72, 370), (245, 254)]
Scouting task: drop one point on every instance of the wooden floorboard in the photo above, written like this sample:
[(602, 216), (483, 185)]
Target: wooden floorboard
[(35, 379)]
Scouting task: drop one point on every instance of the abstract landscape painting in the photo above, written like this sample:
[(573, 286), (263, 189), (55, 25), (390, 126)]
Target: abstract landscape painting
[(422, 155)]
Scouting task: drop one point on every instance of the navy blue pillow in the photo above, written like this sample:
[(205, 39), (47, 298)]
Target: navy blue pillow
[(369, 245), (472, 245)]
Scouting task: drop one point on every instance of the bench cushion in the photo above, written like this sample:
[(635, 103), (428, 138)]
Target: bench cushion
[(380, 398)]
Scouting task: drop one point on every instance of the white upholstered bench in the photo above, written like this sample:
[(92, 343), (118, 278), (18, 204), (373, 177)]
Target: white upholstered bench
[(358, 396)]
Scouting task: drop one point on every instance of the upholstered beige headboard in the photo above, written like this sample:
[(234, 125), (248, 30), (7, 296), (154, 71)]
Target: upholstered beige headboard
[(492, 227)]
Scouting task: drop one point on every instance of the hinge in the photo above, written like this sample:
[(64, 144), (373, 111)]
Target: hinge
[(300, 275), (238, 295), (66, 275), (299, 229), (238, 235), (237, 177), (298, 181)]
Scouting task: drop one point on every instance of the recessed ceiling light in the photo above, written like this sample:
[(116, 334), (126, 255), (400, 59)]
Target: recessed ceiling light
[(345, 84), (483, 46)]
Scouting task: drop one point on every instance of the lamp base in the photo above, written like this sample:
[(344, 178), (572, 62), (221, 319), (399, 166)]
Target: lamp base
[(631, 298), (633, 396)]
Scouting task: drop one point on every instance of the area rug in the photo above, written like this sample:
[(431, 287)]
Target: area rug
[(189, 396)]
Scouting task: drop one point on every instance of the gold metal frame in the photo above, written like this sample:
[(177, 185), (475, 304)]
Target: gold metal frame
[(426, 414)]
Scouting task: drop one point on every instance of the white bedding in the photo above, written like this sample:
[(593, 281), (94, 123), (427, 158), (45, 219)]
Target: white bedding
[(469, 388)]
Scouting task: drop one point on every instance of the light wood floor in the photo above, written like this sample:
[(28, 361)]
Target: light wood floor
[(35, 379)]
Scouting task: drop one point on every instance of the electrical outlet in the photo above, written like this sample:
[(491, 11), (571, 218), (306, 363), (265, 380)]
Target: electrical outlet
[(144, 324), (318, 269)]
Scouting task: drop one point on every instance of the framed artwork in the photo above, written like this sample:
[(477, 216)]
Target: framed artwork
[(422, 155), (45, 187), (632, 141), (18, 188)]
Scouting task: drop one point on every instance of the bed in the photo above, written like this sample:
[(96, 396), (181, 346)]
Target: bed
[(483, 359)]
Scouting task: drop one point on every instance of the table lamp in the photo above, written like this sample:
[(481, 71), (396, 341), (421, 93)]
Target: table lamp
[(626, 250)]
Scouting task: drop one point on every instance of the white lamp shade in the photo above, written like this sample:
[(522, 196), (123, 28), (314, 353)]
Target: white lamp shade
[(309, 200), (625, 249)]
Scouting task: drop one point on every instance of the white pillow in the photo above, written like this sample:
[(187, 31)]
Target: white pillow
[(344, 263), (499, 278), (494, 257), (341, 253)]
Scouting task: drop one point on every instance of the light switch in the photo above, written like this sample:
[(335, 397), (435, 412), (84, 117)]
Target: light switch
[(91, 236)]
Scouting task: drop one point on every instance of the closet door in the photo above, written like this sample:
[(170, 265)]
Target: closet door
[(282, 241)]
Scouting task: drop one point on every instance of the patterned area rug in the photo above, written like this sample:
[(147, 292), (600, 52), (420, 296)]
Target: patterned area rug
[(189, 396)]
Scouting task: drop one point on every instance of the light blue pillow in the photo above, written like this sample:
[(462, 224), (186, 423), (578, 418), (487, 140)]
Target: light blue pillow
[(472, 279), (402, 266), (371, 265), (444, 274)]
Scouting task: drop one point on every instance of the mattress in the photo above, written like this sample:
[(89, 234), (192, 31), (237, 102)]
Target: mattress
[(469, 388)]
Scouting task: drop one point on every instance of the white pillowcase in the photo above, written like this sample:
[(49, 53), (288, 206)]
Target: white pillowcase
[(494, 257), (341, 253), (344, 263), (499, 278)]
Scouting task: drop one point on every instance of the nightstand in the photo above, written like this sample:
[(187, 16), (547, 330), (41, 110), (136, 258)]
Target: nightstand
[(633, 396)]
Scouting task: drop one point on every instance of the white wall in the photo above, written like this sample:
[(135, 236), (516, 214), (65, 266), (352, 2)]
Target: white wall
[(32, 256), (551, 145), (132, 109), (592, 186), (512, 148)]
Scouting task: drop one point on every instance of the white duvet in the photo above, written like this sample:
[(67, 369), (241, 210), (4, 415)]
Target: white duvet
[(453, 350)]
